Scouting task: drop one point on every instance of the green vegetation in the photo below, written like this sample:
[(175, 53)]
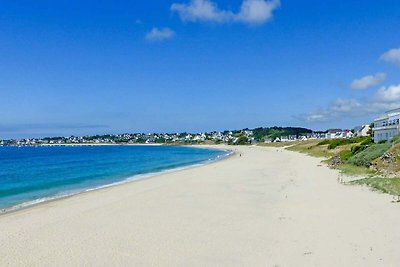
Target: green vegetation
[(360, 156), (361, 146), (311, 148), (386, 185), (358, 151), (242, 140), (354, 170), (261, 134), (345, 155), (366, 156), (279, 144), (334, 143)]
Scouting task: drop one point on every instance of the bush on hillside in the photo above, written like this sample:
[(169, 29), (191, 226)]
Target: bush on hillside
[(334, 143), (366, 156), (367, 141), (362, 146), (395, 139), (339, 142), (324, 142), (345, 155)]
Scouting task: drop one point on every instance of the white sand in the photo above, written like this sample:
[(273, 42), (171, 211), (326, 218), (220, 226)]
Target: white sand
[(267, 208)]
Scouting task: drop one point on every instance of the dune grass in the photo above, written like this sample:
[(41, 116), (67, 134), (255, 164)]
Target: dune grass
[(279, 144), (312, 148), (385, 185), (354, 170)]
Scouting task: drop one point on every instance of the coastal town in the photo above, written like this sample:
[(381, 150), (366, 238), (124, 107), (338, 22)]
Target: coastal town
[(384, 127), (245, 136)]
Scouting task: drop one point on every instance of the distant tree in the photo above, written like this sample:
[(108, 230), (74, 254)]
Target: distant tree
[(242, 140), (140, 140), (369, 132), (160, 140)]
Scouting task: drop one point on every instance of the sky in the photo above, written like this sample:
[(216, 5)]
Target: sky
[(94, 67)]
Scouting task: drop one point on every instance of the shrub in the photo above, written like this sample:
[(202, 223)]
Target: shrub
[(365, 157), (338, 142), (362, 146), (357, 148), (345, 155), (333, 143), (395, 139), (367, 141), (325, 142), (242, 140)]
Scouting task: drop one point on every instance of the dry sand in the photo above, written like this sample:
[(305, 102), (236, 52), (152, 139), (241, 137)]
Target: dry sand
[(269, 207)]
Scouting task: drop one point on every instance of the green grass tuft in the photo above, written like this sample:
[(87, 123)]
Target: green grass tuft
[(354, 170), (386, 185)]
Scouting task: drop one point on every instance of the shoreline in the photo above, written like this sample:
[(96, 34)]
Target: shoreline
[(269, 207), (130, 179)]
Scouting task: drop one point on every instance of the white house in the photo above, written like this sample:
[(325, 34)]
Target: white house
[(347, 134), (334, 133), (338, 133), (362, 130), (387, 126)]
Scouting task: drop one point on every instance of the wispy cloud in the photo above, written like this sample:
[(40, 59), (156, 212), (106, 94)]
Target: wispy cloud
[(392, 56), (385, 98), (159, 34), (368, 81), (388, 94), (251, 11)]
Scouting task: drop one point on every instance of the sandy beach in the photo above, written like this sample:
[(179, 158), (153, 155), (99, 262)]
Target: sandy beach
[(267, 207)]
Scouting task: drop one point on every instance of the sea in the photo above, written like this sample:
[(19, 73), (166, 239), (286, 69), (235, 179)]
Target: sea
[(31, 175)]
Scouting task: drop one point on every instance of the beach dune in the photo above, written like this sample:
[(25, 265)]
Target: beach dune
[(267, 207)]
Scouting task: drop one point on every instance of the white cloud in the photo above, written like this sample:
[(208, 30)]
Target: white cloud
[(388, 94), (345, 105), (392, 56), (251, 11), (318, 116), (386, 98), (368, 81), (201, 10), (157, 34), (257, 11)]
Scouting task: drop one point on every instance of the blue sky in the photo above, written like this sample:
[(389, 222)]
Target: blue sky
[(88, 67)]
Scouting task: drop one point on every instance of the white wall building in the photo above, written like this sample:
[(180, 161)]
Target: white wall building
[(335, 133), (362, 130), (387, 126)]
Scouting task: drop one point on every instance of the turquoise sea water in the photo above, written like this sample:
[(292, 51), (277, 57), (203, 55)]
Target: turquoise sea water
[(29, 175)]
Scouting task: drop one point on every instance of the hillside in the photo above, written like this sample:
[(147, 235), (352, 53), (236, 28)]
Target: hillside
[(261, 134)]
